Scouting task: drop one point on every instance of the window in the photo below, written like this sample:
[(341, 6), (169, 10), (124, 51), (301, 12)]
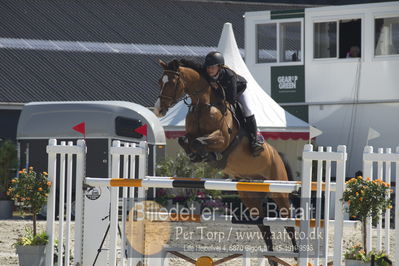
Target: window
[(386, 39), (340, 39), (267, 45), (325, 40), (278, 42), (290, 42)]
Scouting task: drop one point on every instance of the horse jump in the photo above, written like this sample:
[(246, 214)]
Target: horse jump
[(134, 185)]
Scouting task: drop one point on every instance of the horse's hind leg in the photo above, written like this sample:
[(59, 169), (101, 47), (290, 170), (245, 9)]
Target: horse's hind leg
[(255, 200)]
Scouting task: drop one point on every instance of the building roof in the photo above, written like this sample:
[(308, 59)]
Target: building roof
[(172, 22), (41, 73), (34, 75)]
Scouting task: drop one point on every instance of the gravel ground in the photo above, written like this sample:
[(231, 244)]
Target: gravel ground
[(10, 230)]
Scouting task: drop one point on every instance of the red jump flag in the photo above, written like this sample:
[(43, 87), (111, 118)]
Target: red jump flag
[(81, 128), (142, 130)]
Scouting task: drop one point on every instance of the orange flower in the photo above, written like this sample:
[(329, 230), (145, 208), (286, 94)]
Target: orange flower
[(30, 167), (49, 183), (13, 181), (357, 193), (40, 189), (353, 216), (360, 177), (368, 178), (360, 198), (21, 172)]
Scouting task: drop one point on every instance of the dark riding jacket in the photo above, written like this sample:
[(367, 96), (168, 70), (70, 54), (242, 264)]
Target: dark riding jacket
[(229, 81)]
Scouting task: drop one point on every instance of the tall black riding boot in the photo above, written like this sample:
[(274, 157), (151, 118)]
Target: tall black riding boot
[(256, 144)]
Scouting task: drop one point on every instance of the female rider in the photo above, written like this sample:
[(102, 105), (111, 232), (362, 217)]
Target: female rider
[(234, 85)]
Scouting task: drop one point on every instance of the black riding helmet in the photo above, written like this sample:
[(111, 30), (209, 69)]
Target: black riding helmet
[(213, 58)]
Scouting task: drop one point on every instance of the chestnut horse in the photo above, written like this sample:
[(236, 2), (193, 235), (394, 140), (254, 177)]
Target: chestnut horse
[(210, 127)]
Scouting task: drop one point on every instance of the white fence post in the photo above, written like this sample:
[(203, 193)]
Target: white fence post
[(368, 173), (113, 230), (327, 208), (79, 206), (52, 176), (305, 204), (396, 259), (339, 207), (388, 174)]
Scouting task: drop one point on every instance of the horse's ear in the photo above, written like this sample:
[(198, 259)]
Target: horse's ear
[(163, 64), (175, 64)]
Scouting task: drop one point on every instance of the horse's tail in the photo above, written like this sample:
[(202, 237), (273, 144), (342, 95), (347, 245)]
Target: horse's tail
[(287, 166)]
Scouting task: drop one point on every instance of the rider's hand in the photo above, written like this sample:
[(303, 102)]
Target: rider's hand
[(214, 85)]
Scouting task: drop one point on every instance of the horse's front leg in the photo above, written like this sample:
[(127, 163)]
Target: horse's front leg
[(214, 142), (184, 142)]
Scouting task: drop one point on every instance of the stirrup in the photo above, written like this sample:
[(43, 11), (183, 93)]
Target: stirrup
[(256, 149)]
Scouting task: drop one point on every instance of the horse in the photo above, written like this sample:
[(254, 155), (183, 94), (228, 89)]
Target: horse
[(211, 127)]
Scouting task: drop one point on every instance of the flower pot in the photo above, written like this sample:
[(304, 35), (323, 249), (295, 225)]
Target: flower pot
[(356, 263), (31, 255), (6, 207)]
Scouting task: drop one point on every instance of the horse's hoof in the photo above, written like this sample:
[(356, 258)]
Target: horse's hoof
[(194, 157), (182, 141), (198, 144)]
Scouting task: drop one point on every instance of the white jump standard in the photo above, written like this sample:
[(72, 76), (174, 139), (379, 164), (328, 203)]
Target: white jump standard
[(127, 157)]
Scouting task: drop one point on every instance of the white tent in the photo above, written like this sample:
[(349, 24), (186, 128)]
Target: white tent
[(273, 121)]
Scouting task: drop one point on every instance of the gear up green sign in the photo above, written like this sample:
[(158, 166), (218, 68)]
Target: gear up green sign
[(288, 86)]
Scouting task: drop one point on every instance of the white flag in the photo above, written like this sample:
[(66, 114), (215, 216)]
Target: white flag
[(373, 134), (314, 132)]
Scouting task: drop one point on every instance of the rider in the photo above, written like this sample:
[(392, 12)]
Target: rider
[(233, 85)]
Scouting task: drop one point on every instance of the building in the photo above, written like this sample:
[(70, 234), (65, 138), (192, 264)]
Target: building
[(97, 51), (334, 66)]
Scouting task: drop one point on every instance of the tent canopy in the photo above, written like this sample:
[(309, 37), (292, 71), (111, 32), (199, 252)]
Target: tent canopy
[(273, 121)]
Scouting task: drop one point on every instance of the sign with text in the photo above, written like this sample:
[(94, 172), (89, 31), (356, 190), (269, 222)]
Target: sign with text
[(288, 84)]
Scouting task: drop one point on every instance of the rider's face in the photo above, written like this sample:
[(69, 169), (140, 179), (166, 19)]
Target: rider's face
[(212, 70)]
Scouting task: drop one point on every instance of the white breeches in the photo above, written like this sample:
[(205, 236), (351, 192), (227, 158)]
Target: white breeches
[(246, 104)]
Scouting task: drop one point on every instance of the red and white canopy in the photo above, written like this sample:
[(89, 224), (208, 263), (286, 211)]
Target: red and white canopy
[(273, 121)]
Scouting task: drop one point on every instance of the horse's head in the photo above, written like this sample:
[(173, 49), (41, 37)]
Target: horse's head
[(172, 87)]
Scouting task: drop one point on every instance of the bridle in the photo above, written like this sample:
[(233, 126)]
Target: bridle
[(172, 99)]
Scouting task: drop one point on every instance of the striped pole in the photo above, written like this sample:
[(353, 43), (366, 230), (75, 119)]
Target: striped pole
[(295, 185), (314, 184), (188, 183)]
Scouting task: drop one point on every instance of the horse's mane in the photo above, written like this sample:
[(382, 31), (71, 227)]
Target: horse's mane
[(192, 64)]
